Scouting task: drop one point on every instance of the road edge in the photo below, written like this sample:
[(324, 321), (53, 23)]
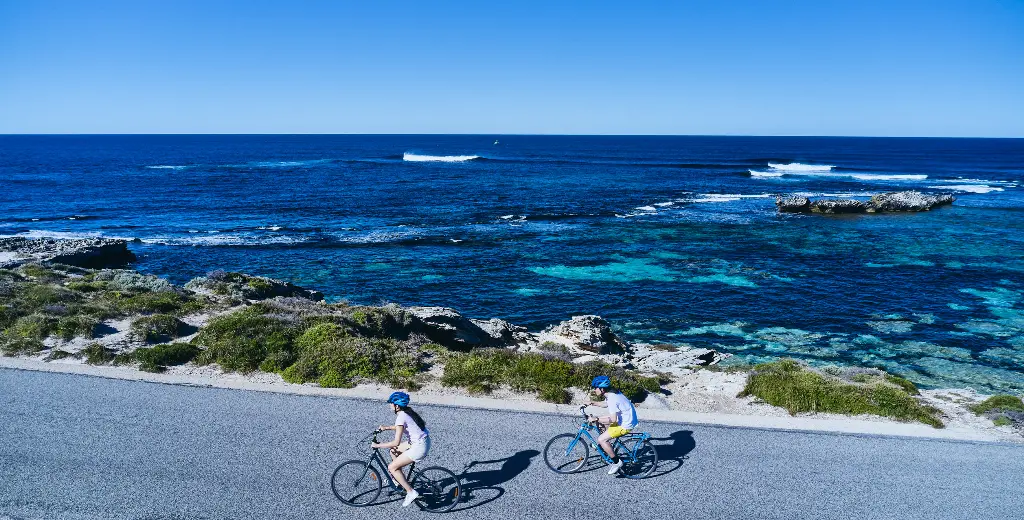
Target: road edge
[(804, 424)]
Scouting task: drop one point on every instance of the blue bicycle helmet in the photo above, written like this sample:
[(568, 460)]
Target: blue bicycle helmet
[(399, 398), (601, 382)]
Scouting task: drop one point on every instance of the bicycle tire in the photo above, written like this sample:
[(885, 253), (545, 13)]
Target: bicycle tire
[(440, 490), (355, 487), (640, 465), (559, 460)]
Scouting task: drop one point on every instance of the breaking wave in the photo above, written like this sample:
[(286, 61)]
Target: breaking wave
[(412, 157), (799, 167)]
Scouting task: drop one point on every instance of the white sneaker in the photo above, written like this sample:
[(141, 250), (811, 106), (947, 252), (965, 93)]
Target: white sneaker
[(614, 468), (409, 497)]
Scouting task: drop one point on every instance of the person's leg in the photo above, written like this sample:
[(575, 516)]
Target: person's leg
[(395, 468), (605, 441)]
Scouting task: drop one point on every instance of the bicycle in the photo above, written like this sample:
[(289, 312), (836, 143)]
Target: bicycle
[(358, 483), (569, 452)]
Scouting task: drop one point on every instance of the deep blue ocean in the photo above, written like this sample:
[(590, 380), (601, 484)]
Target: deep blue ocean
[(672, 239)]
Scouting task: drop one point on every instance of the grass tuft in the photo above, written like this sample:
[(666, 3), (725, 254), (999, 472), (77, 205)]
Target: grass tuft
[(795, 387), (158, 327), (999, 403), (159, 357), (482, 371)]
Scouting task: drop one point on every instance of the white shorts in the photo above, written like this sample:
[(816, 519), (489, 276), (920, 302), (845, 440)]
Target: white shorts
[(417, 451)]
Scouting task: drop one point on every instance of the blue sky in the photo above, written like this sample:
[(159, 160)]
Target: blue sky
[(935, 68)]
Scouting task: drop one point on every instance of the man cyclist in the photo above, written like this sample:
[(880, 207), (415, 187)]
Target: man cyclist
[(621, 418)]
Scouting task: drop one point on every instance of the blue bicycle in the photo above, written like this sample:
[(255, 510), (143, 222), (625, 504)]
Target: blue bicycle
[(569, 452)]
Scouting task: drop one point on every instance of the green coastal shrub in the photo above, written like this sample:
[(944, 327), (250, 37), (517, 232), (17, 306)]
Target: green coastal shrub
[(68, 327), (242, 340), (163, 302), (328, 355), (159, 357), (999, 403), (96, 354), (14, 345), (482, 371), (793, 386), (158, 327)]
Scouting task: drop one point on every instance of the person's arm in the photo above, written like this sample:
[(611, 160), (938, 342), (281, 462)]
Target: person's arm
[(399, 429)]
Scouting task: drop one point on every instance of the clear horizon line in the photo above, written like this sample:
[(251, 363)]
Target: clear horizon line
[(480, 134)]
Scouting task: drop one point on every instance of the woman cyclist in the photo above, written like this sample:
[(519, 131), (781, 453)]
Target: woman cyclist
[(408, 423), (620, 420)]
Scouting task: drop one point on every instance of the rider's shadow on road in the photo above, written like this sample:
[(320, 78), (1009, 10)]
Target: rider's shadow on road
[(672, 451), (484, 485)]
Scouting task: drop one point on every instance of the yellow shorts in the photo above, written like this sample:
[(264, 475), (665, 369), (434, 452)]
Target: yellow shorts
[(616, 431)]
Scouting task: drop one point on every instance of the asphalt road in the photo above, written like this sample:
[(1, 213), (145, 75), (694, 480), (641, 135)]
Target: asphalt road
[(81, 447)]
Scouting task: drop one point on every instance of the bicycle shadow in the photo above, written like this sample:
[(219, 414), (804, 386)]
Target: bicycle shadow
[(672, 455), (483, 486)]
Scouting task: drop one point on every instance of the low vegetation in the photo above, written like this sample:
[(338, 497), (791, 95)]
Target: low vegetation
[(482, 371), (158, 328), (799, 389), (159, 357), (1004, 410), (39, 302)]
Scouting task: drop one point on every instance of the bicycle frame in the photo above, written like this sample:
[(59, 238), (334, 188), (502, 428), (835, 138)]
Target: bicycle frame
[(376, 456), (585, 429)]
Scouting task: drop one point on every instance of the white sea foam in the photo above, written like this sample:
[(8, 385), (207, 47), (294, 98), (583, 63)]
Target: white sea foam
[(166, 167), (219, 239), (827, 173), (798, 167), (437, 158), (64, 235), (970, 188), (885, 177), (271, 228), (663, 204), (726, 197), (647, 208)]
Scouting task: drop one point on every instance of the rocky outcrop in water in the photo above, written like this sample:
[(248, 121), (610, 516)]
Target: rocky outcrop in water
[(837, 206), (86, 252), (793, 204), (898, 201), (907, 201)]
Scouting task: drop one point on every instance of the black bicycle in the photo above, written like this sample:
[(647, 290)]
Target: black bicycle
[(358, 483)]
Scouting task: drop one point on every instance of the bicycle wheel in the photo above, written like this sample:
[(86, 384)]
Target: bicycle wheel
[(560, 459), (639, 456), (355, 483), (439, 489)]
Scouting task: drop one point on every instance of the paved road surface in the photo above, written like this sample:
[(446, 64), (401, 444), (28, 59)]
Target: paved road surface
[(82, 447)]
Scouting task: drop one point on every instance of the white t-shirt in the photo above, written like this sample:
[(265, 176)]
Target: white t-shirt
[(413, 432), (620, 407)]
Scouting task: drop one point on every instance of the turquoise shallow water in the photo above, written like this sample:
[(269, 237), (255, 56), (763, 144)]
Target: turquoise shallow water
[(673, 239)]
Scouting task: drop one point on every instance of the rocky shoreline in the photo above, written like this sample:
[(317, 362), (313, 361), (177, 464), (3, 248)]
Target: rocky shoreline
[(892, 202), (61, 303)]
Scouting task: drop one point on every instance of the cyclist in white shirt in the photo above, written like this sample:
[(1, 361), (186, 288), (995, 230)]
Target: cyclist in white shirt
[(409, 424), (621, 418)]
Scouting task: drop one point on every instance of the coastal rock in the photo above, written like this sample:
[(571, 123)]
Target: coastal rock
[(500, 331), (86, 252), (453, 330), (245, 287), (673, 361), (907, 201), (793, 204), (838, 206), (589, 334)]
